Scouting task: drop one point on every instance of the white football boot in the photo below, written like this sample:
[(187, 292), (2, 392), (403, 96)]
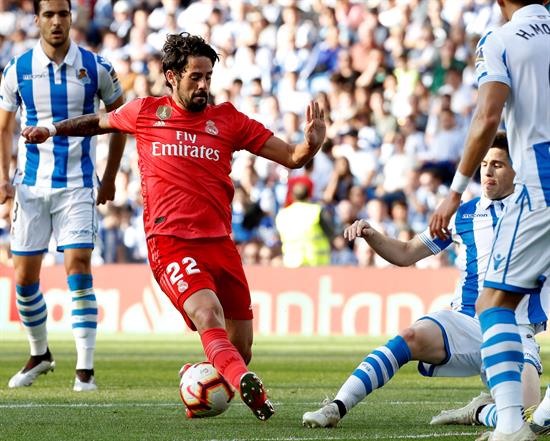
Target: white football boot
[(523, 434), (464, 415), (81, 386), (538, 429), (326, 416), (26, 378)]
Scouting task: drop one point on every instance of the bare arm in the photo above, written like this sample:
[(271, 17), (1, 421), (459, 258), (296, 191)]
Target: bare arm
[(6, 140), (484, 126), (394, 251), (117, 142), (85, 125), (297, 155)]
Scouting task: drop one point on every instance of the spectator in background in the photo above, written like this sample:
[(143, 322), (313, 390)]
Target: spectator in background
[(398, 65), (159, 16), (341, 180), (342, 254), (303, 178), (305, 231), (323, 164), (362, 162), (396, 168), (445, 61), (445, 148), (122, 20)]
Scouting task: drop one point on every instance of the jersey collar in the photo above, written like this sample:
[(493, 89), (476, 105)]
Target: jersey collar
[(485, 202), (529, 11), (70, 58)]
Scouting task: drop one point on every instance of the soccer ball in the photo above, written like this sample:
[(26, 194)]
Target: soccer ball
[(204, 392)]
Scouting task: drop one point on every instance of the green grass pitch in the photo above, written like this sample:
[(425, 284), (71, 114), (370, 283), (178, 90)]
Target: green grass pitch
[(138, 397)]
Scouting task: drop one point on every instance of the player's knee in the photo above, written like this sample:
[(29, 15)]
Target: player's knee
[(411, 338), (78, 261), (207, 317), (25, 277)]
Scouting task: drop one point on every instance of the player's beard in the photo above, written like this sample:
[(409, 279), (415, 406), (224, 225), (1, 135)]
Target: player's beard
[(193, 106)]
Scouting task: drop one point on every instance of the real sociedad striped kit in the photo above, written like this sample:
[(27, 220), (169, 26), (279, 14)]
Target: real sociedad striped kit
[(518, 55), (473, 228), (55, 180)]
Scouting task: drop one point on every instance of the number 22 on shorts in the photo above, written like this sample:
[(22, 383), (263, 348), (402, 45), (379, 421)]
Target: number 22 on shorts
[(176, 276)]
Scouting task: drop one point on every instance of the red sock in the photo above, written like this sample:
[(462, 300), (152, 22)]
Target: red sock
[(223, 355)]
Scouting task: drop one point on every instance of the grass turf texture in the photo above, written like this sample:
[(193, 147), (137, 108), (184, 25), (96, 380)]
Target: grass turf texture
[(138, 397)]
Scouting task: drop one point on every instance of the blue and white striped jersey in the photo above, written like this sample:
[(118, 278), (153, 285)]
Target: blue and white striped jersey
[(518, 54), (472, 229), (46, 93)]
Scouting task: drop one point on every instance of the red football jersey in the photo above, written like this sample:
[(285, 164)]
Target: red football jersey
[(185, 162)]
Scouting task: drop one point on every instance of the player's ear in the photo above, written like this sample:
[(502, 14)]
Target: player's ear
[(171, 77)]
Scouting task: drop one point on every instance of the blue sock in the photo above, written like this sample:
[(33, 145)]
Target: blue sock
[(374, 371), (84, 318), (33, 313), (502, 355)]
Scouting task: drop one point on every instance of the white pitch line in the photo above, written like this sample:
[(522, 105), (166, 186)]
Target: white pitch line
[(160, 404), (361, 437), (46, 405)]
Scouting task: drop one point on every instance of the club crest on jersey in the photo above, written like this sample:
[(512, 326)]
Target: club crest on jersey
[(83, 76), (211, 127), (164, 112)]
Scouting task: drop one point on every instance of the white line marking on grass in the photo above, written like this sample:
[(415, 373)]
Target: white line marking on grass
[(46, 405), (361, 437), (160, 404)]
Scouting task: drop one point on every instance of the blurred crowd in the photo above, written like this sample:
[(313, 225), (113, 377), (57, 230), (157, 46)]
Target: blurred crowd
[(396, 79)]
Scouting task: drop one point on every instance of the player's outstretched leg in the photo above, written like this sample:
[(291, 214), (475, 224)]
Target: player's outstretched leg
[(469, 414), (84, 326), (502, 355), (373, 372), (33, 313), (254, 396), (230, 364)]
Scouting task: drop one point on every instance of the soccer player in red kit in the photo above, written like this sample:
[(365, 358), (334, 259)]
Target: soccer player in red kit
[(185, 147)]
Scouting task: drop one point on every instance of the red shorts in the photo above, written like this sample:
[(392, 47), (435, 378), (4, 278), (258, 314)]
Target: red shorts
[(182, 267)]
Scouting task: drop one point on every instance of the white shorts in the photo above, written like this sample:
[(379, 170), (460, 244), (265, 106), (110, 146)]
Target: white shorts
[(68, 213), (462, 339), (521, 248)]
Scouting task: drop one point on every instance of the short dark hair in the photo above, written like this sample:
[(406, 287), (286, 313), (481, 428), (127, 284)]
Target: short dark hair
[(36, 4), (179, 47), (501, 142)]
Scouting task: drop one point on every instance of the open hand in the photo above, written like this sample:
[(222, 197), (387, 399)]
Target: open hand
[(315, 128)]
